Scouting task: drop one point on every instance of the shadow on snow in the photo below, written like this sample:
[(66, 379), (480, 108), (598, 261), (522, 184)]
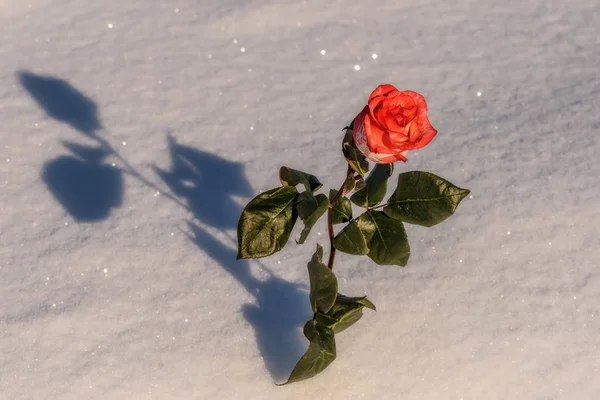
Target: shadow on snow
[(81, 182), (207, 183), (202, 183)]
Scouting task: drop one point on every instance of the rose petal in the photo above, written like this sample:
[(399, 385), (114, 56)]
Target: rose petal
[(383, 90), (398, 138), (424, 131), (378, 96), (400, 110), (379, 116), (418, 99), (391, 124), (376, 136), (358, 132), (381, 158)]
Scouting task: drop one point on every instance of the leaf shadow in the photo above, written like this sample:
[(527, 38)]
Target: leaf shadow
[(61, 101), (207, 184), (83, 183), (87, 188)]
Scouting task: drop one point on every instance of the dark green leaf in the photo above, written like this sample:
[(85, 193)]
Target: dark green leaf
[(325, 320), (367, 303), (349, 127), (423, 198), (266, 223), (349, 185), (386, 238), (323, 283), (293, 177), (376, 186), (345, 312), (342, 211), (321, 352), (349, 318), (351, 239), (359, 183), (360, 300), (355, 158), (310, 209)]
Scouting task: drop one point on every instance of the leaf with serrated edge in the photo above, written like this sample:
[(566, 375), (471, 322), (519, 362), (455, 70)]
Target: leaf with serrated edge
[(321, 352), (323, 283), (375, 188), (310, 209), (266, 223), (342, 211), (386, 238), (423, 198), (293, 177)]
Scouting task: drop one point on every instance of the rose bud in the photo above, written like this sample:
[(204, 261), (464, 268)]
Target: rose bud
[(392, 124)]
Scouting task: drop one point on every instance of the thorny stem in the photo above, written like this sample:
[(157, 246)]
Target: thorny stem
[(340, 193)]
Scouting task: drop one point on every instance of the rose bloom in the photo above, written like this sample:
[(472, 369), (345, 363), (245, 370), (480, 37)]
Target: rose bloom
[(391, 124)]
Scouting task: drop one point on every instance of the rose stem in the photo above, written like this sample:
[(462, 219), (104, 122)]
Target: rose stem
[(339, 194)]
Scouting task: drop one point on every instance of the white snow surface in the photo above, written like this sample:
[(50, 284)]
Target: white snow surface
[(120, 282)]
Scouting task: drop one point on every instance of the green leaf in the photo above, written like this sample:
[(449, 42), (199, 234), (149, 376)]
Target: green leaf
[(310, 209), (321, 352), (423, 198), (366, 302), (323, 283), (355, 158), (266, 223), (344, 313), (360, 300), (386, 238), (359, 183), (349, 127), (342, 210), (376, 187), (349, 185), (293, 177), (325, 320), (351, 239), (351, 316)]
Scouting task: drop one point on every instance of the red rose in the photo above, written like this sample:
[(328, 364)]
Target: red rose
[(391, 124)]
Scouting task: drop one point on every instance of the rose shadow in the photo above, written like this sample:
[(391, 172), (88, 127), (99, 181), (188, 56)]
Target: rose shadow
[(207, 184)]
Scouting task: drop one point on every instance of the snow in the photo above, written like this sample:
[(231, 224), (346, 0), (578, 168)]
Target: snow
[(134, 133)]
